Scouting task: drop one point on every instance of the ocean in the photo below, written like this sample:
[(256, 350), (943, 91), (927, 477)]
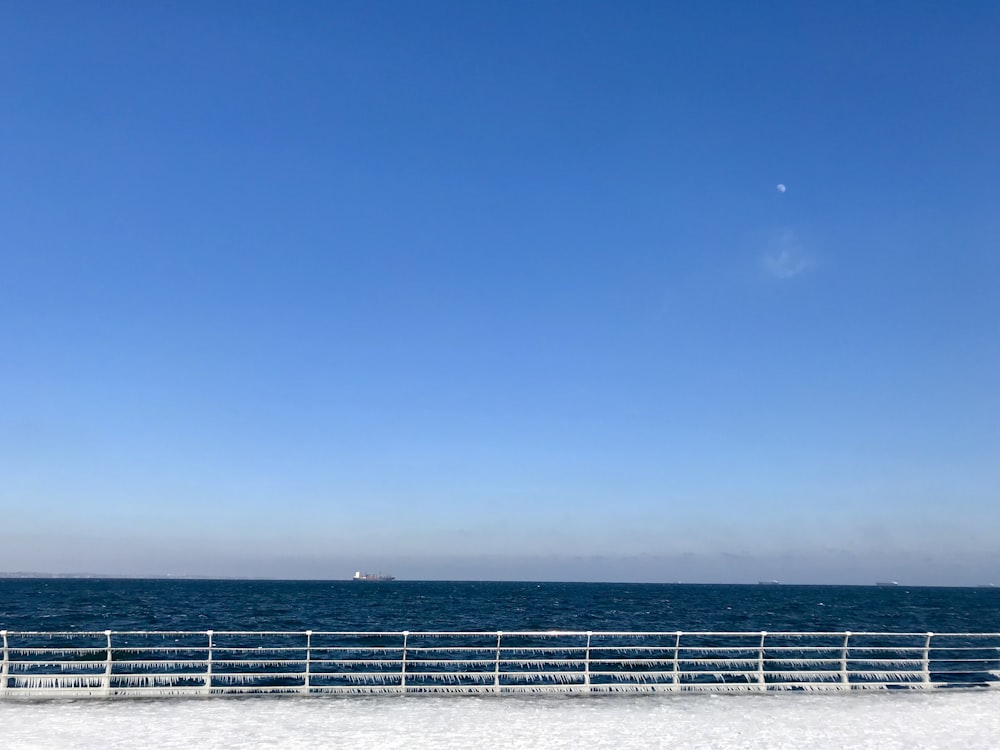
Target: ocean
[(897, 719), (174, 604)]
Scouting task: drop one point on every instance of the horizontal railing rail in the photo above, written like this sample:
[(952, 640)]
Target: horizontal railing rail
[(158, 663)]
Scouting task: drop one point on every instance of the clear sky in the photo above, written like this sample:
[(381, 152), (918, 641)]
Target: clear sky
[(501, 289)]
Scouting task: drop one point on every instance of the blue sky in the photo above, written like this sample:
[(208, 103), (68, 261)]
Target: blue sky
[(501, 290)]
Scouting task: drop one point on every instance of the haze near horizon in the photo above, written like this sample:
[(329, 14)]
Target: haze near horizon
[(555, 290)]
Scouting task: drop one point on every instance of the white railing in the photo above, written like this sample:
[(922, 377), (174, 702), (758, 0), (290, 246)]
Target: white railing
[(158, 663)]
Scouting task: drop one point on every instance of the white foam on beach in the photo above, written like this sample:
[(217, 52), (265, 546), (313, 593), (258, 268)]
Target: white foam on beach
[(968, 720)]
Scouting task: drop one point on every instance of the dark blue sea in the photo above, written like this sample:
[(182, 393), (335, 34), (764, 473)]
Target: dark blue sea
[(132, 604)]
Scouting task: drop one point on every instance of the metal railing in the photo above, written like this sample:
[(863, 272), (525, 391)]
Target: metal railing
[(159, 663)]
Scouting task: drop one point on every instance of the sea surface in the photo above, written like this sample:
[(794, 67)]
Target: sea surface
[(969, 720), (172, 604)]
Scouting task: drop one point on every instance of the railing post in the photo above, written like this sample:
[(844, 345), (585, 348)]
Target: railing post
[(677, 661), (496, 668), (106, 682), (925, 670), (760, 659), (402, 671), (845, 678), (5, 668), (208, 663), (586, 663), (305, 684)]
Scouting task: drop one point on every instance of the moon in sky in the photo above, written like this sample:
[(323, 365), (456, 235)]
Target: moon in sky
[(781, 188)]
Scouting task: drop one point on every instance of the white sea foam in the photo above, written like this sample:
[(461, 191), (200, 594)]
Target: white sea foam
[(968, 720)]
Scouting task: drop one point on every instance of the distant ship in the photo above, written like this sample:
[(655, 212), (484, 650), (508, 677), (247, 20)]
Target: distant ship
[(886, 583), (359, 576), (768, 583)]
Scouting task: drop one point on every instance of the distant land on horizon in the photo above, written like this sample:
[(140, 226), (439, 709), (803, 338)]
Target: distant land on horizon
[(197, 577)]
